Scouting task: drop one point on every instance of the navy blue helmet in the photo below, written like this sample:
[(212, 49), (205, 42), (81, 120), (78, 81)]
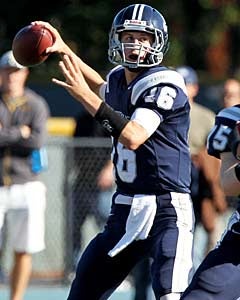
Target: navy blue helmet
[(143, 18)]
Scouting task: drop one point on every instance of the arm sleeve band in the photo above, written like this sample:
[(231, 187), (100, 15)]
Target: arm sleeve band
[(237, 171), (102, 90), (110, 120), (147, 118)]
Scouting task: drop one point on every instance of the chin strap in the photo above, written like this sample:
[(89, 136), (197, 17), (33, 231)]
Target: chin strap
[(172, 296), (135, 70)]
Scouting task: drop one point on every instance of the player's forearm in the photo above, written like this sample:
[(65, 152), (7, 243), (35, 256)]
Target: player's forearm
[(129, 133), (229, 180), (10, 136), (133, 135), (89, 100)]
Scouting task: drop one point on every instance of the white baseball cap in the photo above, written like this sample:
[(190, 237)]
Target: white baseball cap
[(7, 60), (189, 74)]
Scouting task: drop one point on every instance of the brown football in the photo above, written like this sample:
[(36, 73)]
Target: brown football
[(30, 43)]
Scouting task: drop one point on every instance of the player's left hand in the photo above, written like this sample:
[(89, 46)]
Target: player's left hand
[(74, 80)]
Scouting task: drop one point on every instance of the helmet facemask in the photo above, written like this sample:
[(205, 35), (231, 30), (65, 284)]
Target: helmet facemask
[(153, 54)]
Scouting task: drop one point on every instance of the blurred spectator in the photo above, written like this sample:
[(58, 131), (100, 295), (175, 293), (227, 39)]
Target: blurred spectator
[(208, 197), (231, 92), (23, 132), (106, 185), (231, 97)]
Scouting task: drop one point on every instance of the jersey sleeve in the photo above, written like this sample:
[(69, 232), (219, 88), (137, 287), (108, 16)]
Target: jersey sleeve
[(218, 137), (164, 97)]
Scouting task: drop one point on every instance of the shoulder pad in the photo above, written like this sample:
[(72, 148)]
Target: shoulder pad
[(232, 113), (166, 76), (110, 73)]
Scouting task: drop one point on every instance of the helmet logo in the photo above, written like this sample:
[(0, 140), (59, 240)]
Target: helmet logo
[(135, 22)]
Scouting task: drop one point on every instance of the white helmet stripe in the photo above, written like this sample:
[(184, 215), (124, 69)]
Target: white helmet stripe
[(135, 11), (140, 12)]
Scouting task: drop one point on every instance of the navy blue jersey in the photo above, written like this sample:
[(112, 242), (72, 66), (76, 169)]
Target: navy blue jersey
[(162, 163), (224, 123)]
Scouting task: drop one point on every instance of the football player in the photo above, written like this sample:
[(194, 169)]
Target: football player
[(144, 106), (218, 276)]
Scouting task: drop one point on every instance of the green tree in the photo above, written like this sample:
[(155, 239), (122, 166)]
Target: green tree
[(199, 31)]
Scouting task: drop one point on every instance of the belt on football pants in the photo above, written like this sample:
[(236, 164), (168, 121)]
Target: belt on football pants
[(123, 199)]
